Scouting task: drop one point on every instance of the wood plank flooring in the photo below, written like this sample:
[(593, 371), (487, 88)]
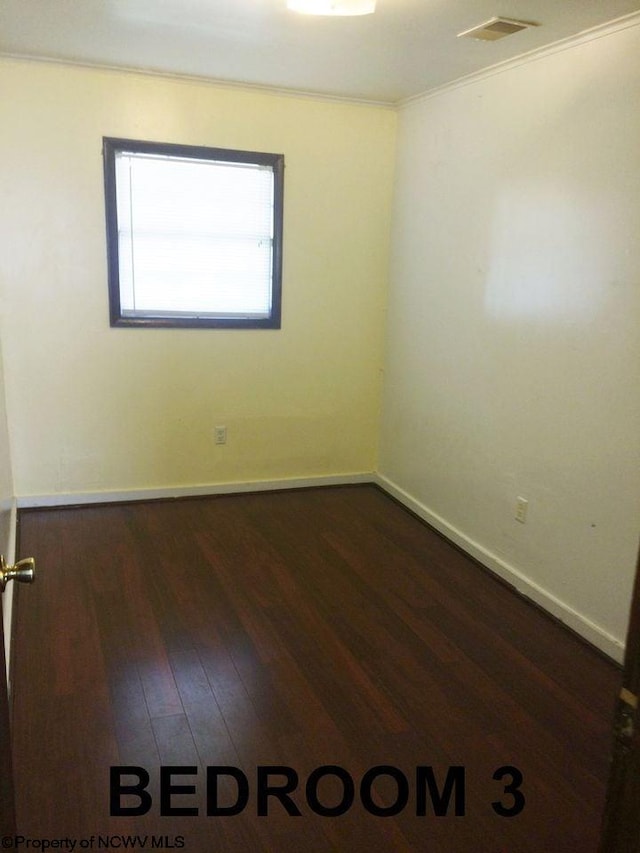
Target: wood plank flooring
[(304, 629)]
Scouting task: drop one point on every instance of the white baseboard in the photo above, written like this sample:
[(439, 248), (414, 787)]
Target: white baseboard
[(202, 490), (594, 634)]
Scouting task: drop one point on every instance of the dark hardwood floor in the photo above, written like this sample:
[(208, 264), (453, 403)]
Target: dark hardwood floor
[(302, 628)]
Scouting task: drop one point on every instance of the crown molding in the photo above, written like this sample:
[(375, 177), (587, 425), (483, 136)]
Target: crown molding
[(601, 31), (201, 80)]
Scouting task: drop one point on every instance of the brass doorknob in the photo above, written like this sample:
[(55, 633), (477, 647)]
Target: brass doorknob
[(24, 571)]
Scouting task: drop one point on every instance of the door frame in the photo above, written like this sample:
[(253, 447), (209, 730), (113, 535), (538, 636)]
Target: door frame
[(7, 797), (621, 822)]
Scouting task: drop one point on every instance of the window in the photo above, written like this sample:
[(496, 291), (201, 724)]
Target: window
[(194, 235)]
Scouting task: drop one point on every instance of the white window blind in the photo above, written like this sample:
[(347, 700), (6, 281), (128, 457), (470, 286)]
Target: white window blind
[(195, 237)]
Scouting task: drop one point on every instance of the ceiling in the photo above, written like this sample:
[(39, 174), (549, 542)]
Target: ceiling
[(407, 47)]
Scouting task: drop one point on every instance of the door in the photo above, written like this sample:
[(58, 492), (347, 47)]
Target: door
[(6, 498), (621, 826), (23, 571), (7, 812)]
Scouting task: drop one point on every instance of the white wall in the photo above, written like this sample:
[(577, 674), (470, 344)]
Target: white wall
[(513, 357), (93, 408)]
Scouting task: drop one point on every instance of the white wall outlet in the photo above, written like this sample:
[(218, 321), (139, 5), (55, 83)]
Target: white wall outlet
[(220, 434), (521, 509)]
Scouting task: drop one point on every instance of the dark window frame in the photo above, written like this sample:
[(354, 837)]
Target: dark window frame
[(113, 146)]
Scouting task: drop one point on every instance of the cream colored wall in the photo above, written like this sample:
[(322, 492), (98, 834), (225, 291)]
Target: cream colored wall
[(93, 408), (513, 363)]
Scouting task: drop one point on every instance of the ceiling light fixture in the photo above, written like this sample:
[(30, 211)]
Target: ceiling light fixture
[(332, 7)]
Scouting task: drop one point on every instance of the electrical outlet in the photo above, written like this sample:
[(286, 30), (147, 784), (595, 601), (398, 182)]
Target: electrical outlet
[(521, 510), (220, 434)]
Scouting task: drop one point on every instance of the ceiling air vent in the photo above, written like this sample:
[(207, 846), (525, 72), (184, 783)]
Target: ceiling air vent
[(496, 28)]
